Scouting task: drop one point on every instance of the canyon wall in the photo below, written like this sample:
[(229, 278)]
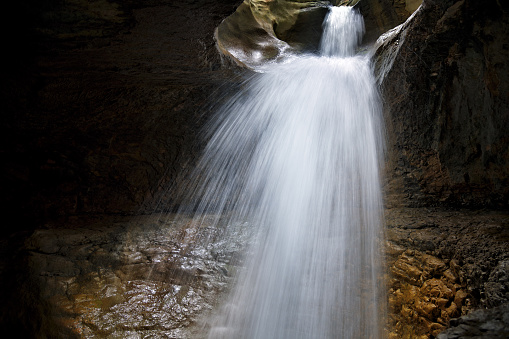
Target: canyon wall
[(103, 104), (444, 79)]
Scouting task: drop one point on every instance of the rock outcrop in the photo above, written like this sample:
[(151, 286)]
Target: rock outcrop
[(444, 79), (262, 31), (444, 264)]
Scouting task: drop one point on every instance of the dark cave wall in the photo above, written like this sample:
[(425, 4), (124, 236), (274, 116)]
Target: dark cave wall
[(102, 104), (444, 79)]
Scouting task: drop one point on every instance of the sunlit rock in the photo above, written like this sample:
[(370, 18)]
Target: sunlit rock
[(127, 277), (262, 31)]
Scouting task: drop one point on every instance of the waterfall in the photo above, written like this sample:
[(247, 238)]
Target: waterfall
[(297, 155)]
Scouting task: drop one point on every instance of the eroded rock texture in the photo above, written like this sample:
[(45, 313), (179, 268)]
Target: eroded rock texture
[(492, 323), (264, 31), (444, 77), (442, 265), (444, 82)]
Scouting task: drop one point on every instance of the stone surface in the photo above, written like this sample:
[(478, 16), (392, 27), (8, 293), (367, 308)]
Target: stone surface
[(161, 275), (102, 105), (262, 31), (489, 324), (445, 86), (383, 15), (442, 265), (119, 277)]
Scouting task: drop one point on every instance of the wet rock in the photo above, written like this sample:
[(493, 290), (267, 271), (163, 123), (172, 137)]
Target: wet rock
[(136, 277), (491, 323), (264, 31), (383, 15), (461, 268), (269, 31)]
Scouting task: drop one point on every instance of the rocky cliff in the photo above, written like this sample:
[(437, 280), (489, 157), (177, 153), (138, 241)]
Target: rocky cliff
[(444, 79), (102, 104), (443, 76)]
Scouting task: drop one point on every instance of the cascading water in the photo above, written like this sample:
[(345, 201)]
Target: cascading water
[(297, 154)]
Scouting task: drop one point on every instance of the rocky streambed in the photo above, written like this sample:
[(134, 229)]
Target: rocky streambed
[(123, 277), (159, 276)]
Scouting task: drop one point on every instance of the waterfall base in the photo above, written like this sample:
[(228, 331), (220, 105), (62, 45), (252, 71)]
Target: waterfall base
[(104, 276)]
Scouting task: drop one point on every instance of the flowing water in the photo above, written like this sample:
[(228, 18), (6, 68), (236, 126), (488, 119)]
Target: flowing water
[(297, 155)]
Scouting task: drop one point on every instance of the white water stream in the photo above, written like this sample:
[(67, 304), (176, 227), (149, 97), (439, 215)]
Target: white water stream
[(297, 154)]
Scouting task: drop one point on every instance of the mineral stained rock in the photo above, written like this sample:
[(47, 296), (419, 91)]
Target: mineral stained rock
[(444, 264), (264, 31)]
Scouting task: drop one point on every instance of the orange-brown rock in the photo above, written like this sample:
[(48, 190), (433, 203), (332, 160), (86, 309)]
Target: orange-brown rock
[(434, 282)]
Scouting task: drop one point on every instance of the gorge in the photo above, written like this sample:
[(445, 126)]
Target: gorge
[(102, 107)]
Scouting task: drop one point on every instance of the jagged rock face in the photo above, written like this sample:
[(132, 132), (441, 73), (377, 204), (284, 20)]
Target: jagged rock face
[(442, 265), (444, 78)]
